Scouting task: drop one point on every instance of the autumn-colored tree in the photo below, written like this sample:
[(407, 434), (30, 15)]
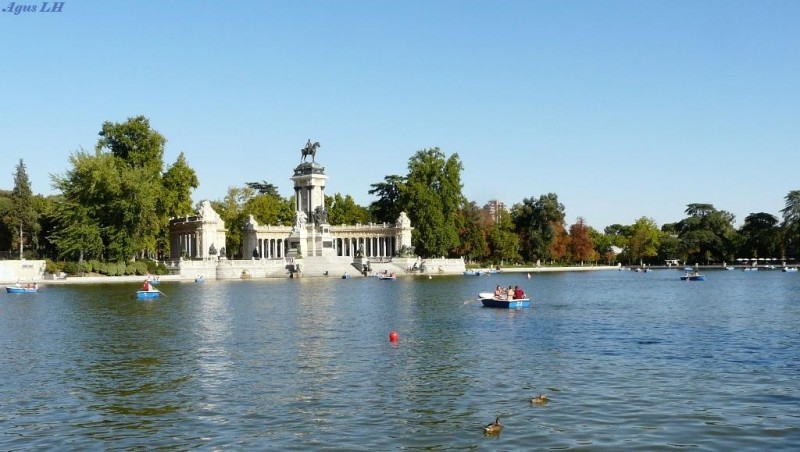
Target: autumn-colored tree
[(559, 248), (581, 245)]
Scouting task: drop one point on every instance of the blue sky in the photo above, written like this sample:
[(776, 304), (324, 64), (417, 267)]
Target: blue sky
[(622, 108)]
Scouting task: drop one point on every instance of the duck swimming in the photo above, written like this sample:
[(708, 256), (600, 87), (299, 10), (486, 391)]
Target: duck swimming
[(540, 399), (493, 428)]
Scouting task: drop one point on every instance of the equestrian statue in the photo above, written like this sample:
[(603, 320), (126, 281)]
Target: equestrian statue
[(310, 149)]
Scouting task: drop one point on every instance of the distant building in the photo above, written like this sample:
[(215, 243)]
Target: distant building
[(493, 209)]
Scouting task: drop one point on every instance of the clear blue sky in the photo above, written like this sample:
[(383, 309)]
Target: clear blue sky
[(622, 108)]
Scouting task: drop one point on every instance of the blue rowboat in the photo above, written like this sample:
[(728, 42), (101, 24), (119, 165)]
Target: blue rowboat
[(21, 289), (693, 277), (147, 294), (491, 302)]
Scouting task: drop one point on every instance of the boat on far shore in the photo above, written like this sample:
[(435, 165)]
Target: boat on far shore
[(28, 288)]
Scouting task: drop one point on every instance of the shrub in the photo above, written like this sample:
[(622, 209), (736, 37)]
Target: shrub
[(72, 268), (53, 267)]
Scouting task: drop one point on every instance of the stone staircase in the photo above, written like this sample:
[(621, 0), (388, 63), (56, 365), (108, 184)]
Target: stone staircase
[(333, 265)]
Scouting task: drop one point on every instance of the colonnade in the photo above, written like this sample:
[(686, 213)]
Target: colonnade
[(186, 243), (370, 246), (271, 248)]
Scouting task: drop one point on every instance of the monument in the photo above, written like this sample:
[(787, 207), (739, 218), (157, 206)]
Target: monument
[(278, 250)]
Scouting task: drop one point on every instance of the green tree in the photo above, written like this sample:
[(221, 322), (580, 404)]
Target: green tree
[(670, 246), (179, 181), (503, 241), (390, 203), (344, 210), (231, 210), (761, 236), (87, 189), (708, 234), (269, 209), (791, 223), (121, 190), (134, 143), (79, 236), (602, 246), (433, 197), (643, 241), (264, 188), (473, 228), (46, 206), (537, 222), (6, 233), (22, 218)]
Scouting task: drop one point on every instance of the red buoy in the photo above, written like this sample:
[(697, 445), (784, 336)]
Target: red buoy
[(393, 336)]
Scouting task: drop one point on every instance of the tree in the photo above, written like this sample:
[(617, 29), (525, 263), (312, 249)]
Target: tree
[(708, 234), (389, 204), (581, 245), (536, 222), (179, 181), (670, 246), (264, 188), (602, 246), (761, 236), (121, 189), (503, 241), (433, 197), (22, 216), (643, 241), (79, 236), (134, 143), (6, 233), (344, 210), (231, 211), (473, 228), (81, 213), (791, 223), (560, 246), (269, 209)]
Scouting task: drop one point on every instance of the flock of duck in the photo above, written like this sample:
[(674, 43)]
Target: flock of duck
[(494, 428)]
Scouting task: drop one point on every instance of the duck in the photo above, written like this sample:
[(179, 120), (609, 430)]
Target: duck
[(493, 428), (540, 399)]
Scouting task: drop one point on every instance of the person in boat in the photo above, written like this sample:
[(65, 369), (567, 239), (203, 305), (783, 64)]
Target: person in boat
[(146, 286), (499, 294), (510, 292), (518, 293)]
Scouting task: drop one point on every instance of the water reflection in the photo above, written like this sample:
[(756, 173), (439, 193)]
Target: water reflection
[(631, 361)]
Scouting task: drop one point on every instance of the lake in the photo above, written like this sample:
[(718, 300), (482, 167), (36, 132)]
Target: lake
[(630, 361)]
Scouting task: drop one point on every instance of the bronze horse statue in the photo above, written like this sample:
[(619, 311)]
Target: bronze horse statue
[(310, 149)]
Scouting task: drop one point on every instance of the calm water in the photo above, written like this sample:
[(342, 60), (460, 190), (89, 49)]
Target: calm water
[(631, 361)]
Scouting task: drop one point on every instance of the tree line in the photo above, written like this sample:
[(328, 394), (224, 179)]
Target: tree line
[(114, 205)]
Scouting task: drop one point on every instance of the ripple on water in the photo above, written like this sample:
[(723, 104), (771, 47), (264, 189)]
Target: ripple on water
[(630, 361)]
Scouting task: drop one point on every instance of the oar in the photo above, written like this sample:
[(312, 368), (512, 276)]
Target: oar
[(159, 291)]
